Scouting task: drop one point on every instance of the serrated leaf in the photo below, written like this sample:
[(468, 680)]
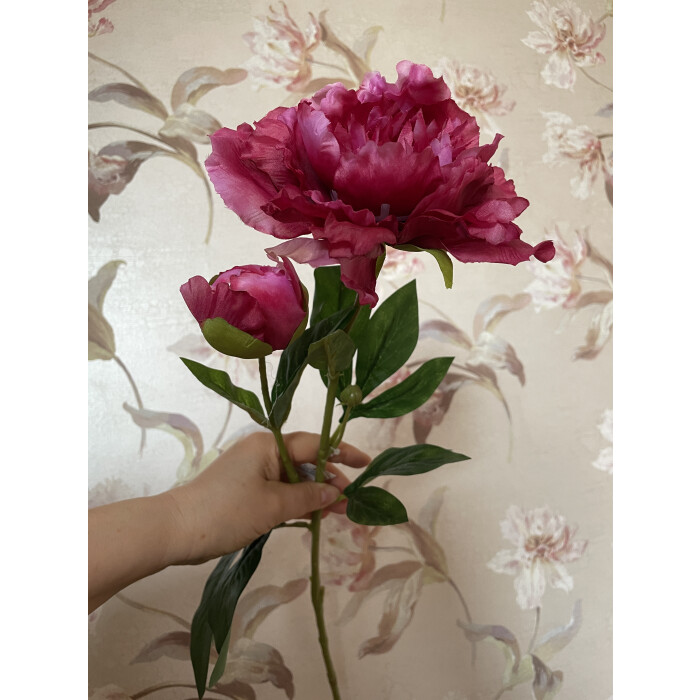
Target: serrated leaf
[(443, 259), (409, 394), (218, 381), (130, 96), (232, 341), (374, 506), (404, 461), (390, 337), (197, 82)]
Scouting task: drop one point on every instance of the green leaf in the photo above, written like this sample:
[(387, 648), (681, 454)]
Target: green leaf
[(374, 506), (333, 354), (220, 665), (330, 294), (443, 260), (232, 341), (389, 338), (407, 395), (225, 597), (218, 381), (201, 634), (293, 361), (404, 461)]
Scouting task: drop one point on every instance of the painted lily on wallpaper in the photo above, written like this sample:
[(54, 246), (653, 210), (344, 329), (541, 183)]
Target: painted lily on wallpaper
[(335, 178)]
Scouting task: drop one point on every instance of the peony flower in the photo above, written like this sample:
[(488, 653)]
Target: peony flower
[(281, 50), (267, 303), (347, 554), (580, 144), (101, 26), (543, 544), (604, 461), (386, 164), (474, 90), (568, 36), (556, 285)]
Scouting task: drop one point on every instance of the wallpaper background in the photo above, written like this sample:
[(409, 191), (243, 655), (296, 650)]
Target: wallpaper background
[(530, 403)]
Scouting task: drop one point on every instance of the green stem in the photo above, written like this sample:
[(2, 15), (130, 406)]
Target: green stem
[(292, 474), (317, 590), (340, 430), (264, 385)]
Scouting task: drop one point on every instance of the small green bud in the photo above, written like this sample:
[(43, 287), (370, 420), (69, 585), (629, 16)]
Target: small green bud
[(351, 396)]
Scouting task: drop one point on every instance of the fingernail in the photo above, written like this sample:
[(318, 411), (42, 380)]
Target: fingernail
[(328, 495)]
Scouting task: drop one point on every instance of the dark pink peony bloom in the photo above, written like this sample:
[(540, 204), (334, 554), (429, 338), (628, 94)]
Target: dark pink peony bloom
[(386, 164), (265, 302)]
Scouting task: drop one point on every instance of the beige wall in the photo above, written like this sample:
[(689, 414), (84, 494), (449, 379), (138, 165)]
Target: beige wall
[(550, 458)]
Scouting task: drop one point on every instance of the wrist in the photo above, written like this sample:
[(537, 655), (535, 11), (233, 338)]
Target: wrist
[(177, 521)]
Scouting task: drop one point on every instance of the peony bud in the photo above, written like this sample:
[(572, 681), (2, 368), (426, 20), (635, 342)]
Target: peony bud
[(249, 311)]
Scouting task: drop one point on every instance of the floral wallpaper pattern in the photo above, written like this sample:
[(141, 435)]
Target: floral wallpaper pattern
[(500, 584)]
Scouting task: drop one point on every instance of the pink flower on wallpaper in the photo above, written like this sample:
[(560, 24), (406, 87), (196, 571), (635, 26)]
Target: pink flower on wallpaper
[(556, 284), (474, 90), (281, 50), (401, 265), (566, 142), (347, 552), (107, 174), (544, 543), (604, 461), (569, 36), (101, 25)]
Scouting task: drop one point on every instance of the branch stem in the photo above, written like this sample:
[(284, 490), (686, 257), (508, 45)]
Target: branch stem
[(317, 590), (538, 610), (595, 80), (134, 80)]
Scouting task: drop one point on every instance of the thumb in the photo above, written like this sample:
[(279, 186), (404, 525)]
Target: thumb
[(298, 500)]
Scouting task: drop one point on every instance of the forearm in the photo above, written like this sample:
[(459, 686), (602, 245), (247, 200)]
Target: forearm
[(129, 540)]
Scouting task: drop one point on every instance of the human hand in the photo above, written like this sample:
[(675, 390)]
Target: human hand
[(243, 495)]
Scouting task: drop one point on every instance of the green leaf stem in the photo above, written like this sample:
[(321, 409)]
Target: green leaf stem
[(404, 461), (218, 381), (388, 338)]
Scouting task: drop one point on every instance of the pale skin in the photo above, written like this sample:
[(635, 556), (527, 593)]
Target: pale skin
[(240, 496)]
